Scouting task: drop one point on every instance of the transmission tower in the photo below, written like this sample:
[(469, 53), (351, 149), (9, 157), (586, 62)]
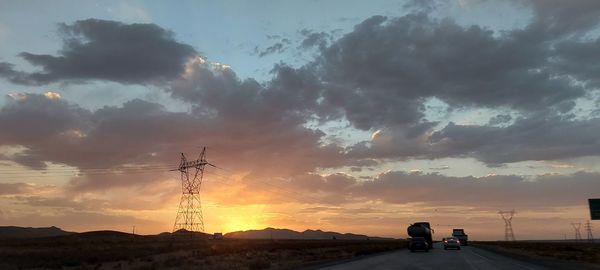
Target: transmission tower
[(189, 214), (507, 216), (577, 228), (589, 229)]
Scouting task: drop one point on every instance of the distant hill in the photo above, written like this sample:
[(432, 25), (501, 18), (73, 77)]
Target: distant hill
[(103, 234), (28, 232), (272, 233), (267, 233), (185, 233)]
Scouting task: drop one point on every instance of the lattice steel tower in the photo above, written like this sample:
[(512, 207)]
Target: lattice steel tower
[(189, 214), (507, 216), (577, 227), (589, 229)]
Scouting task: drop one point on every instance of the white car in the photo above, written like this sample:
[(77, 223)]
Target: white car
[(451, 242)]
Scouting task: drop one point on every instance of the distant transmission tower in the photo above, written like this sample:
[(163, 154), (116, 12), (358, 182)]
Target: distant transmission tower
[(589, 229), (577, 228), (507, 216), (189, 214)]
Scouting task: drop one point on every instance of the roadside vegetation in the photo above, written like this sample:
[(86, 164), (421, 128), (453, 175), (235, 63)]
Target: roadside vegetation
[(153, 252), (583, 252)]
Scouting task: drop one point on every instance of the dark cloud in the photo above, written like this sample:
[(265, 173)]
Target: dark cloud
[(433, 190), (537, 137), (489, 191), (54, 130), (313, 39), (278, 47), (382, 72), (398, 143), (500, 119), (275, 48), (32, 120), (580, 59), (556, 17), (534, 138), (378, 77), (107, 50), (137, 136)]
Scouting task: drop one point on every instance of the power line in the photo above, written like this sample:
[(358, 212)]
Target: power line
[(80, 174), (164, 165)]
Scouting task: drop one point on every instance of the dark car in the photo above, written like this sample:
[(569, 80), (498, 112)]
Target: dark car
[(418, 243), (451, 242)]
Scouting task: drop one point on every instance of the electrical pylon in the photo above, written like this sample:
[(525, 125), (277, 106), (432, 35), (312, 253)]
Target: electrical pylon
[(577, 228), (189, 214), (507, 216), (589, 229)]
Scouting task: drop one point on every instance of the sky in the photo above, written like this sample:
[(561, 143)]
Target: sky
[(344, 116)]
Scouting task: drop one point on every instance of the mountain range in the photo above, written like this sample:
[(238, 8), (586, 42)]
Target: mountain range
[(267, 233), (28, 232), (273, 233)]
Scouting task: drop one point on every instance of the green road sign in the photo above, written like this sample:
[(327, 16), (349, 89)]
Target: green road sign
[(594, 208)]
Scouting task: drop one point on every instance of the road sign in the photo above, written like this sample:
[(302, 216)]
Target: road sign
[(594, 208)]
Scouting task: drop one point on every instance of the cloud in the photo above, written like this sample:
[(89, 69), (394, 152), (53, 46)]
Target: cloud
[(555, 17), (499, 119), (281, 45), (431, 190), (378, 77), (141, 136), (16, 188), (107, 50), (28, 120), (382, 72), (490, 191), (276, 48), (543, 137), (313, 39), (149, 196)]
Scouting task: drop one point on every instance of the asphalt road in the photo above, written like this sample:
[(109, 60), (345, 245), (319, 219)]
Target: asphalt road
[(468, 257)]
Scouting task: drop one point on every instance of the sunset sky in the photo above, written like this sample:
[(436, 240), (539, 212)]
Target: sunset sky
[(348, 116)]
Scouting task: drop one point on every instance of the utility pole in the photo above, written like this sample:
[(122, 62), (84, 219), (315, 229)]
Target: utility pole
[(189, 214), (589, 229), (507, 216), (577, 228)]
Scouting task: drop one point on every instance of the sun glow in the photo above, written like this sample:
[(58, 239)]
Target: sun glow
[(241, 218)]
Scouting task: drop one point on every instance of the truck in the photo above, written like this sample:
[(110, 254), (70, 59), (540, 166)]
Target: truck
[(421, 229), (461, 236)]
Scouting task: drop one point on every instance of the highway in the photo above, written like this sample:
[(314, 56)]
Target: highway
[(436, 259)]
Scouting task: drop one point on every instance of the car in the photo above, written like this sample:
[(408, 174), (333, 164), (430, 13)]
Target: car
[(451, 242), (418, 243)]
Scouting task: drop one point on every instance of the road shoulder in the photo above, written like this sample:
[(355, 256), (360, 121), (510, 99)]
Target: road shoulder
[(539, 260)]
